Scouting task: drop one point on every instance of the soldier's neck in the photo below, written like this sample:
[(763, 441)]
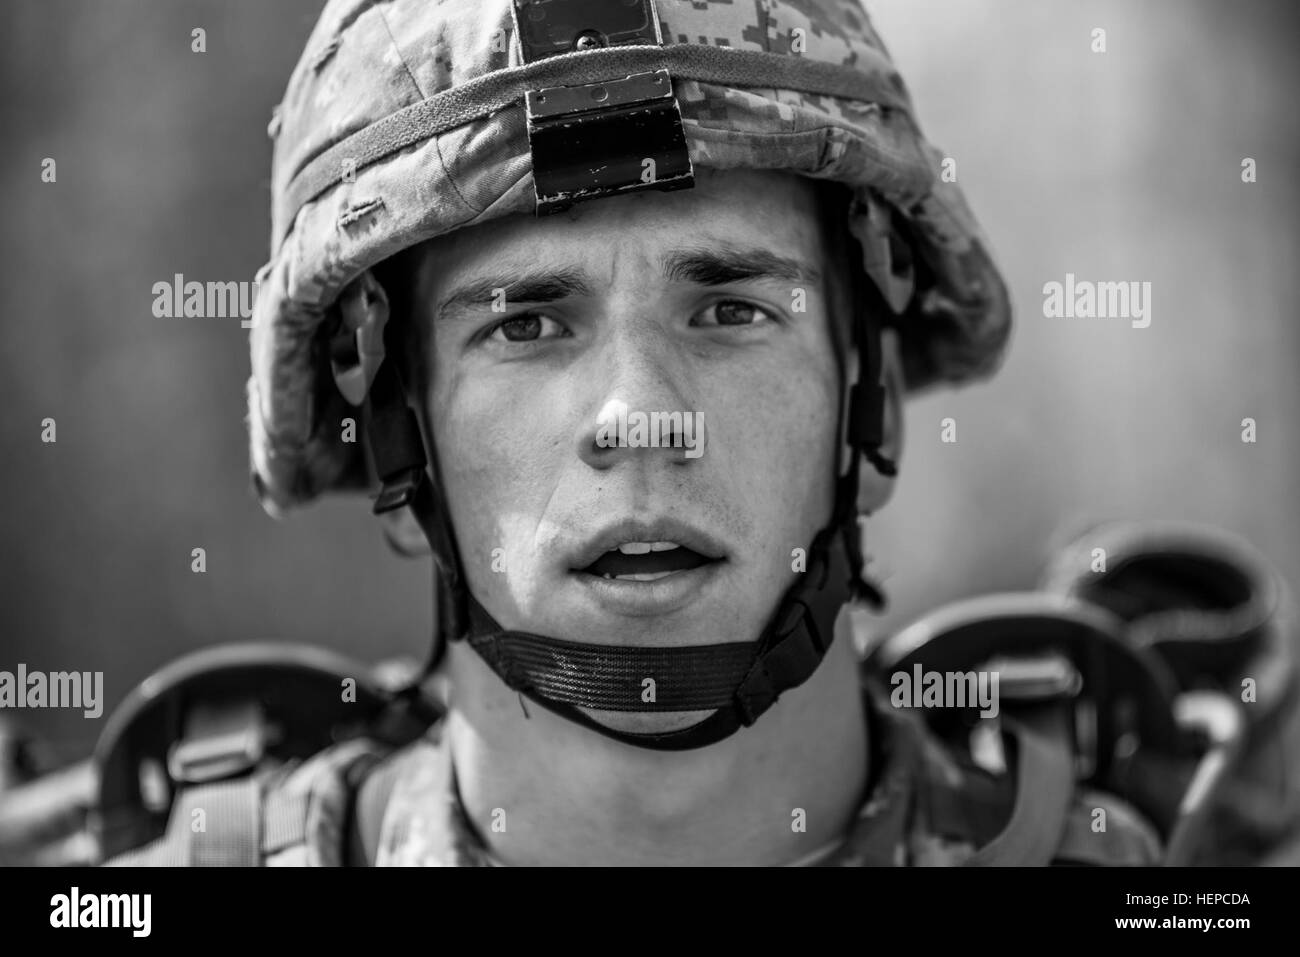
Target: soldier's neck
[(542, 790)]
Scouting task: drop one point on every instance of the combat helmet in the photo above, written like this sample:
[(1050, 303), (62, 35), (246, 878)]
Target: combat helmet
[(408, 120)]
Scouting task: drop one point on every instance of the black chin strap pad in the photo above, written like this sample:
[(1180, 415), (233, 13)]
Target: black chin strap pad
[(615, 677), (737, 681)]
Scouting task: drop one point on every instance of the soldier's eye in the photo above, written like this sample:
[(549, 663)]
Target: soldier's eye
[(733, 312), (526, 327)]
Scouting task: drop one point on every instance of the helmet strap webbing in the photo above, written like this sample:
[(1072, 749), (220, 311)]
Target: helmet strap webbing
[(737, 681), (411, 479)]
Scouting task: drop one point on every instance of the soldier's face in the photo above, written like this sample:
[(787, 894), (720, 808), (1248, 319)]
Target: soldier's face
[(581, 511)]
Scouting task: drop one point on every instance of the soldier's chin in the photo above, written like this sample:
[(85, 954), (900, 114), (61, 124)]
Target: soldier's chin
[(647, 722)]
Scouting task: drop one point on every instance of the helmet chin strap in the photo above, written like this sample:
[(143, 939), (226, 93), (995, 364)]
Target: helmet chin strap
[(736, 681)]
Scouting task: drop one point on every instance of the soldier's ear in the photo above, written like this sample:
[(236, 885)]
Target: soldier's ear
[(874, 489), (404, 534)]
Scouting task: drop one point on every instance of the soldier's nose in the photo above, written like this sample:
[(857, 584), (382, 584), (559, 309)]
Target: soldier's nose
[(643, 411)]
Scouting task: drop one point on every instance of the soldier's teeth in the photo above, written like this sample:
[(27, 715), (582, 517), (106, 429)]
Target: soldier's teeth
[(634, 548), (643, 576), (663, 546)]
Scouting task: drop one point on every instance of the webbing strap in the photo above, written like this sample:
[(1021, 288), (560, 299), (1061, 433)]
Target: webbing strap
[(494, 91), (617, 678), (231, 819), (391, 426), (284, 820), (1044, 789)]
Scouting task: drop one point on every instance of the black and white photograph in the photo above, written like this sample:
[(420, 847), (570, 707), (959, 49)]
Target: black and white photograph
[(651, 433)]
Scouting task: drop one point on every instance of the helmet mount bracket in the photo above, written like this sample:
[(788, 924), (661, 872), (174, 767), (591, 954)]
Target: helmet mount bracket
[(605, 138)]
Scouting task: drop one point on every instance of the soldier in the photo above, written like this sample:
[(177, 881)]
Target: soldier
[(501, 231)]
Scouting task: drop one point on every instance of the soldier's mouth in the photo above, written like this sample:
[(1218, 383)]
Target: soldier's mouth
[(646, 564), (645, 561)]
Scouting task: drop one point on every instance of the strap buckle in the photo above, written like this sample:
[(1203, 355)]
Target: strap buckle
[(398, 491), (604, 138), (1036, 679), (220, 742)]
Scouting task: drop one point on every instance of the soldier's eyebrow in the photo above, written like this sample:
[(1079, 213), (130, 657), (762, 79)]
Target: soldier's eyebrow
[(716, 264), (720, 263), (530, 285)]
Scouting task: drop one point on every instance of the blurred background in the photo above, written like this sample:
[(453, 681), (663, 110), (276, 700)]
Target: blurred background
[(1123, 165)]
